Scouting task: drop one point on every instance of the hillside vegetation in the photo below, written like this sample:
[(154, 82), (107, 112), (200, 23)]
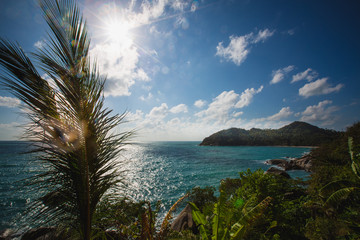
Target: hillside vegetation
[(294, 134)]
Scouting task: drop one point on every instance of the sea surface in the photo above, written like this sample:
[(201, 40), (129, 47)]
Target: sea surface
[(152, 171)]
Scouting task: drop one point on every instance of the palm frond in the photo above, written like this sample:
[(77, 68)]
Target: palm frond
[(334, 186), (71, 130), (338, 196), (355, 165), (168, 216), (199, 220), (238, 229)]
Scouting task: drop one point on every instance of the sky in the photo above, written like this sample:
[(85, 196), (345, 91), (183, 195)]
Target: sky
[(183, 69)]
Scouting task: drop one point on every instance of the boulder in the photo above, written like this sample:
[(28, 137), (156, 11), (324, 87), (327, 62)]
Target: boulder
[(278, 162), (277, 171), (184, 221), (303, 163)]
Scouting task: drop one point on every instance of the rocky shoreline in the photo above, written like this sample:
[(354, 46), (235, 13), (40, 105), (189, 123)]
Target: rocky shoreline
[(301, 163)]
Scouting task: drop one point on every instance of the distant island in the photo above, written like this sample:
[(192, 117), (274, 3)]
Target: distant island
[(294, 134)]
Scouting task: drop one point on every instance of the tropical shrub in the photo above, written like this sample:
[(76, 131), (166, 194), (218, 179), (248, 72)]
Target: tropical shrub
[(334, 189)]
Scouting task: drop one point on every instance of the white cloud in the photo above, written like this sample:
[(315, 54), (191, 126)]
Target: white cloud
[(9, 102), (134, 117), (39, 44), (149, 97), (320, 113), (285, 112), (179, 5), (219, 109), (263, 35), (237, 114), (119, 63), (158, 113), (272, 121), (11, 131), (279, 74), (238, 48), (182, 22), (319, 87), (247, 96), (179, 109), (236, 51), (291, 32), (308, 74), (199, 103)]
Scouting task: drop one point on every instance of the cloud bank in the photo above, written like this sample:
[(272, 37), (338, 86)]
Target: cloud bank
[(9, 102), (319, 87)]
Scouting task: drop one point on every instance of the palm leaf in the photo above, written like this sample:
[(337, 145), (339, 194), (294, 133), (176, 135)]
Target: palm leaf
[(168, 216), (70, 128), (355, 165), (339, 195), (199, 219), (215, 220), (332, 187), (238, 229)]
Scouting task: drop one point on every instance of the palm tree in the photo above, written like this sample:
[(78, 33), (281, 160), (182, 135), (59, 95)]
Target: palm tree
[(71, 130)]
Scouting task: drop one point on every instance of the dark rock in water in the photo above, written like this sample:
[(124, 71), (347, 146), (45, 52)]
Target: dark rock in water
[(278, 162), (184, 221), (302, 163), (277, 171)]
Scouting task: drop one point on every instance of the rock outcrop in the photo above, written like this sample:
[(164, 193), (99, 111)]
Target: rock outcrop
[(277, 171), (184, 221), (302, 163)]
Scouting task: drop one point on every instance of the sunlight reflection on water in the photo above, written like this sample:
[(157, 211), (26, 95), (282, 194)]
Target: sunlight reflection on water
[(151, 171), (167, 170)]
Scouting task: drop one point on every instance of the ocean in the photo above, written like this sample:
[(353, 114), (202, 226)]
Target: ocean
[(152, 171)]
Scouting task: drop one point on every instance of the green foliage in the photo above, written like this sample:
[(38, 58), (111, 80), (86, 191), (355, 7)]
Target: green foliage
[(122, 215), (334, 187), (224, 226), (237, 211), (203, 198), (200, 220), (342, 189), (287, 208)]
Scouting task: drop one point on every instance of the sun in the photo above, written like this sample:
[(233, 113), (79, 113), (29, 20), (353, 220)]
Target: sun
[(118, 31)]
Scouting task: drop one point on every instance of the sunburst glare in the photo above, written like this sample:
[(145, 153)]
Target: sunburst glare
[(118, 31), (113, 26)]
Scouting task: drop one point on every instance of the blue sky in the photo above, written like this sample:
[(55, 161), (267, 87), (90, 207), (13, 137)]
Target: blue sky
[(185, 69)]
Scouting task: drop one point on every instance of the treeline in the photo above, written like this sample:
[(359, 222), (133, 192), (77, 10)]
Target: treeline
[(294, 134)]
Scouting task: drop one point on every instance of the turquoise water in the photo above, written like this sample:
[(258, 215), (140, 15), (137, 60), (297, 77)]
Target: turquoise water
[(152, 171)]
